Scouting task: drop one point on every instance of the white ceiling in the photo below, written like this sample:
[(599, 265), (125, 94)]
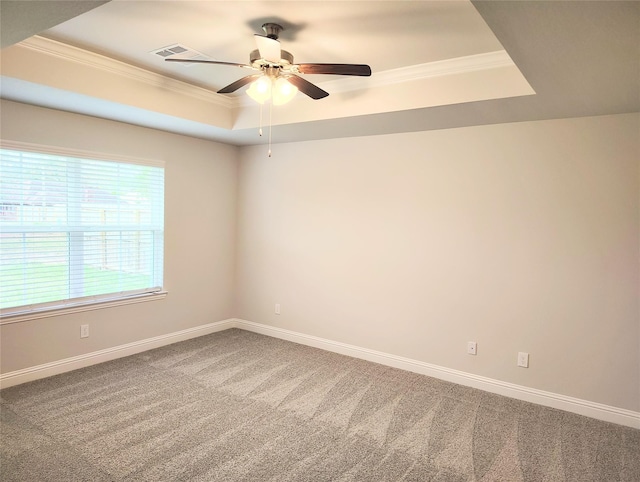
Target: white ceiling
[(385, 35), (436, 64)]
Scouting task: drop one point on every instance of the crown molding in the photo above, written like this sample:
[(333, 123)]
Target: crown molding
[(439, 69), (455, 66), (93, 60), (459, 65)]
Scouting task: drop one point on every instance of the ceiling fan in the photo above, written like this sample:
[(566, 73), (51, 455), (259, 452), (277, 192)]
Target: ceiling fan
[(277, 66)]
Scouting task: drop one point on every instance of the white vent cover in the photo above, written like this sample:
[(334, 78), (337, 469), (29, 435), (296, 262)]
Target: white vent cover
[(180, 51)]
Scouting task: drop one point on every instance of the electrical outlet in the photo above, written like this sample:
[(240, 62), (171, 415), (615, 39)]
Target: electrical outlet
[(84, 331), (277, 309), (523, 359), (472, 347)]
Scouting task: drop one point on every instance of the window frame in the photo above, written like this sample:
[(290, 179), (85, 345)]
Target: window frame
[(88, 303)]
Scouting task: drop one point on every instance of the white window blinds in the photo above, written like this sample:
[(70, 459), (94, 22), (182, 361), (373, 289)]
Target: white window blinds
[(76, 231)]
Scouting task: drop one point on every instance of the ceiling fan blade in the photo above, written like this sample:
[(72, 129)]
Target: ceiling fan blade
[(307, 87), (232, 87), (269, 48), (336, 69), (215, 62)]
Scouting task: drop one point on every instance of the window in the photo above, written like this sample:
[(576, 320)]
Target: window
[(76, 230)]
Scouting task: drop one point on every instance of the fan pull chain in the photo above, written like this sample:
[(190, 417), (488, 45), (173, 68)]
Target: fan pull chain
[(260, 128), (270, 124)]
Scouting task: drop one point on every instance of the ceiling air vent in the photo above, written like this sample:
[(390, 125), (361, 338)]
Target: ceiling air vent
[(180, 51)]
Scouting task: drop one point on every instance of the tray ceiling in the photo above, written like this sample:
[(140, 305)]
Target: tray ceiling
[(435, 64)]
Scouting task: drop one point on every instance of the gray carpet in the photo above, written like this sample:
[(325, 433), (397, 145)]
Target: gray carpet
[(237, 406)]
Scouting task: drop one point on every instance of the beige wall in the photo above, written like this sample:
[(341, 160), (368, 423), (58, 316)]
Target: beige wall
[(522, 237), (200, 205)]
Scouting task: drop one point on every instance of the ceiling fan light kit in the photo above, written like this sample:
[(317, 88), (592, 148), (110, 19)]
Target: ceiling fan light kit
[(283, 91), (265, 88), (260, 90)]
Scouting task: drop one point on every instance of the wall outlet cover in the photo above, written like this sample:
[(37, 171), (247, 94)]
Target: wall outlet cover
[(472, 348), (523, 359)]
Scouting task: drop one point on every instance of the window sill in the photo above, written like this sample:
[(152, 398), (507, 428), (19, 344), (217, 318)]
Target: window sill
[(90, 306)]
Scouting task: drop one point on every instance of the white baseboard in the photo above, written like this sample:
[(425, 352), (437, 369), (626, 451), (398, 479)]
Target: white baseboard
[(598, 411), (68, 364), (595, 410)]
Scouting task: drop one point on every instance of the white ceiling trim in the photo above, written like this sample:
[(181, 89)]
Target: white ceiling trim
[(459, 65), (94, 60)]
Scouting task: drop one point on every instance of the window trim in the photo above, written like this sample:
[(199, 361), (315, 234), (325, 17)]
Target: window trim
[(79, 304), (60, 310)]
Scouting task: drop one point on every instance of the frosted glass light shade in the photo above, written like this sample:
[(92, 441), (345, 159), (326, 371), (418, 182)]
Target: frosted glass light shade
[(283, 91), (260, 90)]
